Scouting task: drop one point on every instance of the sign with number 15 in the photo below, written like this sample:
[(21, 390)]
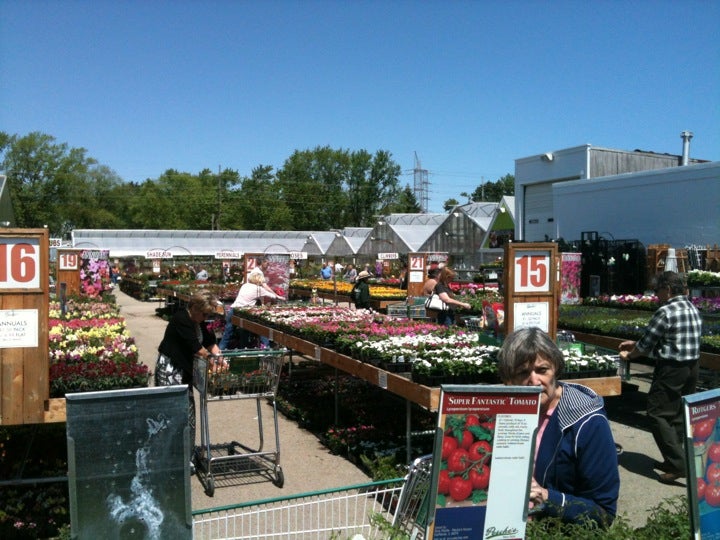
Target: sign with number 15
[(532, 271), (19, 263)]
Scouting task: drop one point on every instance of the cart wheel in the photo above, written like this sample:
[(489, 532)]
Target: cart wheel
[(279, 478), (210, 487)]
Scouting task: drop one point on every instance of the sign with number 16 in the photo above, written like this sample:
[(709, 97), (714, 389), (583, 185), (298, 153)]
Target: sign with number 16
[(19, 263)]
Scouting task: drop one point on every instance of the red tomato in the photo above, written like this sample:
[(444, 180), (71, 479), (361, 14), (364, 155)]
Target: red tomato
[(713, 473), (702, 429), (467, 439), (701, 485), (712, 494), (490, 426), (479, 450), (459, 460), (444, 482), (480, 476), (460, 488), (449, 444), (714, 452), (472, 420)]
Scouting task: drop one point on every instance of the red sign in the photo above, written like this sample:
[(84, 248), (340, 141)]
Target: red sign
[(19, 263)]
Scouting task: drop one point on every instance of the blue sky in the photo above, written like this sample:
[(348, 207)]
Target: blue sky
[(145, 86)]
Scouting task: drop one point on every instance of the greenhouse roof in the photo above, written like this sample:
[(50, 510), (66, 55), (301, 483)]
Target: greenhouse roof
[(134, 243)]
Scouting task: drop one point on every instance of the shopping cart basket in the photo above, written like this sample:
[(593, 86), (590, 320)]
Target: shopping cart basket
[(363, 509), (237, 374)]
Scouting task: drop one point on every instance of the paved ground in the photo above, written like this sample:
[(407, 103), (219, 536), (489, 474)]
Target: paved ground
[(308, 466)]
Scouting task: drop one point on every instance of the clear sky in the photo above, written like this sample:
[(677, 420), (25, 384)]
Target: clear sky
[(470, 86)]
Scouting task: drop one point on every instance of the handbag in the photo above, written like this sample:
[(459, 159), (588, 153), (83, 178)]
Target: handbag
[(165, 373), (434, 303)]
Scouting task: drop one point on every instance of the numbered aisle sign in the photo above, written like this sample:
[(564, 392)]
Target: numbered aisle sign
[(69, 261), (24, 286), (20, 263), (531, 286)]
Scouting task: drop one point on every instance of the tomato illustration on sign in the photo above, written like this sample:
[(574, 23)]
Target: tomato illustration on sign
[(703, 429), (714, 452), (460, 488), (712, 494)]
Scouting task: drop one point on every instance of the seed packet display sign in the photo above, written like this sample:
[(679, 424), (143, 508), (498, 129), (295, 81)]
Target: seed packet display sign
[(482, 464), (702, 412)]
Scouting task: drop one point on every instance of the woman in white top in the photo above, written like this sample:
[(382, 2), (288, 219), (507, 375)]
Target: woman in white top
[(250, 292)]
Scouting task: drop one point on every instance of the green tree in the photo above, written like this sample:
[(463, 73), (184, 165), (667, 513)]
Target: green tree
[(406, 203), (50, 183), (256, 199), (494, 191), (372, 188), (311, 184), (450, 204)]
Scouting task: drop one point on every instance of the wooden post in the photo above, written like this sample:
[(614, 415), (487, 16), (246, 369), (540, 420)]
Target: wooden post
[(68, 270), (532, 286), (24, 363)]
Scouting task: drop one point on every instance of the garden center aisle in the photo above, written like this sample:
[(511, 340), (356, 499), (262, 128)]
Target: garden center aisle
[(308, 466)]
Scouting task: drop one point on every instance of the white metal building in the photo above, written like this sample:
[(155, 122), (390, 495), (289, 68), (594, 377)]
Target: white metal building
[(655, 198)]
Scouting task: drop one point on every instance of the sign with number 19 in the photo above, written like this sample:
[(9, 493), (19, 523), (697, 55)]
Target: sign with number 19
[(19, 263)]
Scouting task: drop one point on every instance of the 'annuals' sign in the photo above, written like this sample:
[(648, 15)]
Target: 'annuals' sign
[(158, 254)]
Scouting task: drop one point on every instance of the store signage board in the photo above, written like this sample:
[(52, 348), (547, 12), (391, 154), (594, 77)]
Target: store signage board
[(532, 286), (18, 328), (529, 314), (299, 255), (229, 254), (158, 254), (20, 263), (702, 433), (24, 350), (388, 256), (470, 499), (128, 472)]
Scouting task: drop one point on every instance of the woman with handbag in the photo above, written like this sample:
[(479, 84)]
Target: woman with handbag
[(187, 336), (446, 316)]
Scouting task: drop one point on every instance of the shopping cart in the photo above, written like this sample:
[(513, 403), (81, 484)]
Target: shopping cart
[(368, 509), (237, 374)]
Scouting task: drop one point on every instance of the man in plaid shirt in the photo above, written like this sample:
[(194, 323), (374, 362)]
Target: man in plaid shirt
[(672, 339)]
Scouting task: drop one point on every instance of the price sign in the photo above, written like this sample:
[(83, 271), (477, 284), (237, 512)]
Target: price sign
[(250, 264), (68, 261), (532, 271), (19, 263), (417, 262)]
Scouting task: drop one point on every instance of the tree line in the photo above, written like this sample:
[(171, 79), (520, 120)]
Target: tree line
[(52, 184)]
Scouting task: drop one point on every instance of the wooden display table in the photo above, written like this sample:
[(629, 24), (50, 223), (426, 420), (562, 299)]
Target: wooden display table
[(425, 396)]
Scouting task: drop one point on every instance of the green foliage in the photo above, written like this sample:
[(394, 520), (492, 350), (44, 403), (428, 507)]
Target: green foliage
[(494, 191)]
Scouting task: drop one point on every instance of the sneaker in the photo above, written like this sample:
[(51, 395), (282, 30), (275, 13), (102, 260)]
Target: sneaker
[(192, 468)]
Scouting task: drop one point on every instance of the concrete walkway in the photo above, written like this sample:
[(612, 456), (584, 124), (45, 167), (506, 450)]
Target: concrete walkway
[(307, 465)]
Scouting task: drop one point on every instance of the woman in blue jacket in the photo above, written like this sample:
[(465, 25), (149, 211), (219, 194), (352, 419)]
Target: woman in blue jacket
[(575, 476)]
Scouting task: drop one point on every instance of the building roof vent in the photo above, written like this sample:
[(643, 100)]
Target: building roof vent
[(686, 136)]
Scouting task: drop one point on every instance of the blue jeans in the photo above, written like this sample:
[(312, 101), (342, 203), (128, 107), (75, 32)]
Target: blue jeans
[(446, 318), (230, 331)]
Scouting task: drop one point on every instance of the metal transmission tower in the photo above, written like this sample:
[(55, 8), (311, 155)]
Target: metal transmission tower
[(420, 187)]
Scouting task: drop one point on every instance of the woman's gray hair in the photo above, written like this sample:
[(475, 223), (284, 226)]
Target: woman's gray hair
[(522, 347)]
